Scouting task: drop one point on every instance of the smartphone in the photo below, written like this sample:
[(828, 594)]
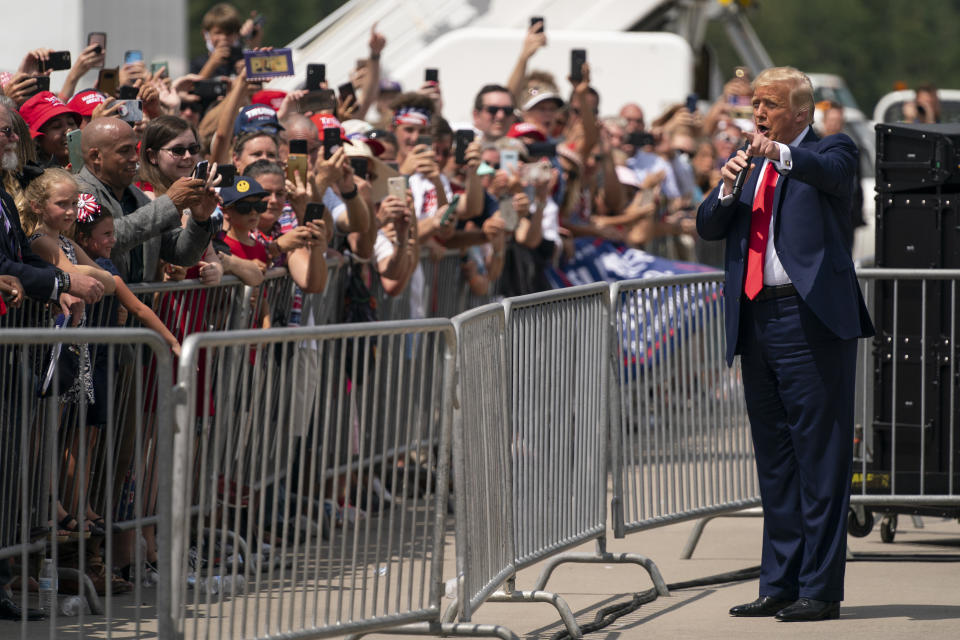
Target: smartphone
[(314, 212), (317, 101), (200, 171), (316, 75), (692, 100), (510, 161), (427, 140), (209, 89), (577, 58), (534, 20), (99, 38), (128, 92), (432, 75), (159, 64), (107, 82), (130, 111), (331, 140), (56, 61), (346, 89), (542, 150), (507, 213), (397, 187), (73, 148), (461, 140), (42, 84), (361, 166), (297, 161), (134, 55), (451, 210), (227, 173)]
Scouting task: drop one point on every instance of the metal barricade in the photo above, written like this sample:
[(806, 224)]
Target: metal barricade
[(681, 438), (330, 524), (907, 439), (62, 435), (481, 458), (557, 380)]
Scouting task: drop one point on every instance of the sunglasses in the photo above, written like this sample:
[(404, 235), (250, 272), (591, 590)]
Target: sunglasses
[(179, 151), (245, 206), (494, 110)]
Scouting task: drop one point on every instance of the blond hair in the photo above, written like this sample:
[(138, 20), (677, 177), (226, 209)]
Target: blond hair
[(801, 89), (37, 193)]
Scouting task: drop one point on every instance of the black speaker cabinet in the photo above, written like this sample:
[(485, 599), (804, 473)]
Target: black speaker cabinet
[(914, 157)]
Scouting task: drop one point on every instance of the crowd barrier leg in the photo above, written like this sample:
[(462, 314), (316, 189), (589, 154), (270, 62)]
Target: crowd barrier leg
[(694, 538)]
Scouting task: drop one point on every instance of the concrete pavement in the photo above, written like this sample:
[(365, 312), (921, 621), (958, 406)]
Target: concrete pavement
[(885, 597)]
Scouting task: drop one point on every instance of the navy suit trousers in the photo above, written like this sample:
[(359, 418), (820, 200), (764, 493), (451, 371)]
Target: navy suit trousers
[(798, 379)]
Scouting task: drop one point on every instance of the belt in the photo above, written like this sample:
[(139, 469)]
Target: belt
[(776, 291)]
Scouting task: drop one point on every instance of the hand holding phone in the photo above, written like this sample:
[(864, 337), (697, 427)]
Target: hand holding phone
[(537, 20), (397, 187), (98, 38), (314, 212), (461, 140), (432, 75), (316, 76), (56, 61)]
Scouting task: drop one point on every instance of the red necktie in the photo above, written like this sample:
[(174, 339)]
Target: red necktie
[(759, 230)]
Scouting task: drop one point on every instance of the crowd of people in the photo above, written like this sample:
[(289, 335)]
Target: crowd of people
[(239, 179)]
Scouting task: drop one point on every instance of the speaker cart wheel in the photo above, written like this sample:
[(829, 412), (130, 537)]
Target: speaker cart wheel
[(888, 527), (859, 522)]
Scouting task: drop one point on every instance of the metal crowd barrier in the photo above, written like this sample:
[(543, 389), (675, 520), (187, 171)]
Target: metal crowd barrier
[(323, 525), (682, 446), (61, 452)]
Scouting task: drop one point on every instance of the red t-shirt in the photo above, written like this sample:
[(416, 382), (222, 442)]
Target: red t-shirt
[(255, 252)]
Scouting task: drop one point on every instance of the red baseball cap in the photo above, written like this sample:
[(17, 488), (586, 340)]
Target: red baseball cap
[(327, 121), (42, 108), (526, 130), (86, 101), (269, 97)]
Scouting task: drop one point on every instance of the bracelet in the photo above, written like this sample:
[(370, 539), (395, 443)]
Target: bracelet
[(63, 281), (350, 195), (374, 56)]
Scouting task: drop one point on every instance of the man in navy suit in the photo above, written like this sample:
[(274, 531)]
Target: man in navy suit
[(794, 312)]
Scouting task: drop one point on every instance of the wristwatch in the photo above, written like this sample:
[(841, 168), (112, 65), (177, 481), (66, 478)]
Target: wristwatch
[(350, 195), (63, 281)]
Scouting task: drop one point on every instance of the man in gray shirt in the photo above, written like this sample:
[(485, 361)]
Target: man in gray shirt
[(146, 230)]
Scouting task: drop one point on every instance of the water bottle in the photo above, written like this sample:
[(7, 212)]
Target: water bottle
[(73, 606), (48, 586)]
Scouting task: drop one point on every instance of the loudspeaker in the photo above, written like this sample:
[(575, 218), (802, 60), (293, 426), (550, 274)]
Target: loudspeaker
[(917, 156)]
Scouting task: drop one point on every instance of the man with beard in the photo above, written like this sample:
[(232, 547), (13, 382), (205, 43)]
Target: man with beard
[(40, 279)]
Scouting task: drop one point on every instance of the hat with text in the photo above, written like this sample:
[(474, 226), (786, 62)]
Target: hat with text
[(43, 107), (85, 102), (256, 117)]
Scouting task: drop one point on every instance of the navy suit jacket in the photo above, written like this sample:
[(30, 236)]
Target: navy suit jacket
[(810, 207), (16, 258)]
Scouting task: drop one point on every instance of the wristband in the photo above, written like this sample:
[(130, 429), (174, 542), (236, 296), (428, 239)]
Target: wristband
[(63, 281), (374, 56), (350, 195)]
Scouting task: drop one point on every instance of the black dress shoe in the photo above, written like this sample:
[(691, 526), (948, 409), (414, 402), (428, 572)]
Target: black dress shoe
[(10, 610), (764, 606), (807, 609)]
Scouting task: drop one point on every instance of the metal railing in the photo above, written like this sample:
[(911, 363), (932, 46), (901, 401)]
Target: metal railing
[(309, 477), (331, 525)]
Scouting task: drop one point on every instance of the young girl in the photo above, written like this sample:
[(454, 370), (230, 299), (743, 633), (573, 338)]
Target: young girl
[(95, 235), (50, 211)]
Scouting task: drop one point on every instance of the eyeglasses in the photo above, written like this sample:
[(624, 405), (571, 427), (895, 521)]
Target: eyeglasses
[(179, 151), (245, 206), (8, 132), (493, 110)]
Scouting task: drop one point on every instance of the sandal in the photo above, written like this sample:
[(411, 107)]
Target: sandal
[(67, 532), (97, 527)]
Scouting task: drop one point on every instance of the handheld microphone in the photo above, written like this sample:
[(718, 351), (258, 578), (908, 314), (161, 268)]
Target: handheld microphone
[(742, 176)]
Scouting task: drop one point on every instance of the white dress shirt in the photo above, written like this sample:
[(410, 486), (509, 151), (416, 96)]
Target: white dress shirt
[(773, 271)]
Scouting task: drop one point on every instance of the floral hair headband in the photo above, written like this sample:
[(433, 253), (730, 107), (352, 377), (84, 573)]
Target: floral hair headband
[(88, 209)]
